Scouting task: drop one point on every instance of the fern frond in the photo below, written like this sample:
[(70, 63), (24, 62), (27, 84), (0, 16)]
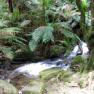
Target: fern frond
[(48, 35), (7, 51), (26, 3), (14, 40), (3, 23), (37, 34), (32, 45), (42, 34), (9, 31)]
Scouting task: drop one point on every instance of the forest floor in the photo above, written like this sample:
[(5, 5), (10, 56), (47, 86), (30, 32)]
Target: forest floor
[(77, 83)]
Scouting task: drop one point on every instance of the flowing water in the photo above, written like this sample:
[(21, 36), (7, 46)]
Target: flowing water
[(33, 69)]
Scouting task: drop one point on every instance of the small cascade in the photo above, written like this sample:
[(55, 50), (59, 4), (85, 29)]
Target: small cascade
[(33, 69)]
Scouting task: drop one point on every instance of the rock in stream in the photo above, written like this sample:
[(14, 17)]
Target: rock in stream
[(7, 88)]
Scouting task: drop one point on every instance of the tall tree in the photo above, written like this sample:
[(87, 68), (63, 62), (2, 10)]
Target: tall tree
[(10, 5), (92, 14), (91, 38), (82, 6)]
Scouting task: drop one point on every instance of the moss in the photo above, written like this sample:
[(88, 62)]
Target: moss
[(78, 63), (57, 50), (78, 60), (49, 73), (55, 73), (90, 65), (35, 87), (43, 88), (7, 88), (65, 76), (82, 83)]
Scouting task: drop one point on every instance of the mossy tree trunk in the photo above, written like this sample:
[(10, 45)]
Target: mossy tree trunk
[(82, 20), (91, 39), (92, 13), (10, 3)]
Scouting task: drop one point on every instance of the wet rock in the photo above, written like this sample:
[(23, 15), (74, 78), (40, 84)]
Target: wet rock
[(7, 88), (20, 81)]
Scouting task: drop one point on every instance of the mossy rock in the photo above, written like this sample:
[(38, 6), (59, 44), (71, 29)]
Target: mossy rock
[(35, 87), (57, 73), (78, 63), (82, 83), (57, 50), (77, 60), (7, 88), (49, 73), (65, 76)]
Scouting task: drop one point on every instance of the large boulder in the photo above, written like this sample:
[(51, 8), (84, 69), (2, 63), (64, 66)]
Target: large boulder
[(7, 88)]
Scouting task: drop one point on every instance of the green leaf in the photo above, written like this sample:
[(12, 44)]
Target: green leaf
[(7, 52), (25, 23), (43, 34), (32, 45), (68, 34), (37, 34), (84, 4), (35, 1), (3, 23), (48, 34), (11, 29)]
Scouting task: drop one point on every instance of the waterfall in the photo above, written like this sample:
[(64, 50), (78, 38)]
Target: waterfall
[(34, 69)]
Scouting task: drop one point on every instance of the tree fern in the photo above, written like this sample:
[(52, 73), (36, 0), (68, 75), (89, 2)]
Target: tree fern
[(3, 23), (32, 45), (9, 35), (26, 3), (6, 33), (8, 52), (42, 34), (48, 35)]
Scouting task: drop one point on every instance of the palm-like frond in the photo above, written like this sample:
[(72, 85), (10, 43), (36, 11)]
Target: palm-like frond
[(9, 31), (7, 51), (42, 34)]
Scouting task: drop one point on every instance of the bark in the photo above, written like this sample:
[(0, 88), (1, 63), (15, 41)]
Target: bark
[(10, 3), (82, 20), (92, 14), (91, 39)]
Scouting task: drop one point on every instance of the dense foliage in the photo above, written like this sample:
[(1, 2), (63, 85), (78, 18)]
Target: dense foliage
[(42, 29)]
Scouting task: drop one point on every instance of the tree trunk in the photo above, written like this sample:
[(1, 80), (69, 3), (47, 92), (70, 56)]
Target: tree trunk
[(82, 20), (91, 39), (92, 14), (10, 5)]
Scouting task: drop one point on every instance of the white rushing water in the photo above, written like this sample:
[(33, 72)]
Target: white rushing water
[(34, 69)]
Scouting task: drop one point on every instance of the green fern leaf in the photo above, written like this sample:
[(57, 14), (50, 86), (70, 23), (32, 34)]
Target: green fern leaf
[(7, 52), (3, 23), (32, 45), (42, 34), (11, 29), (68, 34), (37, 34), (48, 34)]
